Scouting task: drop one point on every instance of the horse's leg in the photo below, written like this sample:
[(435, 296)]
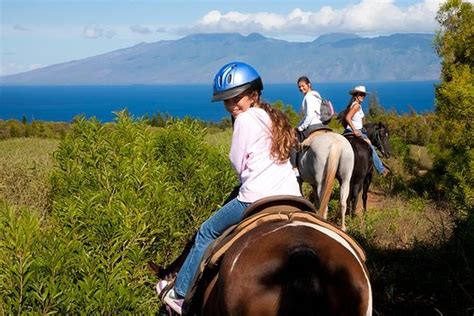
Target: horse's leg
[(346, 175), (345, 187), (349, 202), (356, 190), (367, 181), (315, 195)]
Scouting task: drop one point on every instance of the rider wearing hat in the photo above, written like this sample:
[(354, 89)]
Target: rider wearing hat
[(354, 119)]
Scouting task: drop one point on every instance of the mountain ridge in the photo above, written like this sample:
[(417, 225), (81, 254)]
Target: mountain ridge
[(334, 57)]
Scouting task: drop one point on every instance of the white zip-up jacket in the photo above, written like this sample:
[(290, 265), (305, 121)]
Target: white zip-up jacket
[(311, 109)]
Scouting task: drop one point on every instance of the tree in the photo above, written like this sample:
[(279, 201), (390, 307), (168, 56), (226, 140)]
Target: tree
[(455, 44), (454, 99), (454, 161), (292, 115), (375, 108)]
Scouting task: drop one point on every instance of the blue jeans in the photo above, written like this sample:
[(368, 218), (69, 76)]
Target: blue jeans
[(379, 167), (230, 214)]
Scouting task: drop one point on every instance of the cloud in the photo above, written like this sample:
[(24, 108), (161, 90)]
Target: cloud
[(20, 27), (140, 29), (94, 31), (162, 29), (367, 17)]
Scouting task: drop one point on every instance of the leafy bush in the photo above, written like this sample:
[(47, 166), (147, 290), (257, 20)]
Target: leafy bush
[(122, 195), (19, 244), (414, 129)]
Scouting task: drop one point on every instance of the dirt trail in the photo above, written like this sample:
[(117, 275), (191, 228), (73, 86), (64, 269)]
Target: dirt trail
[(376, 199), (397, 223)]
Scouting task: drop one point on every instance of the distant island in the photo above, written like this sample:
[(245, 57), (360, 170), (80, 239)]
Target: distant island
[(336, 57)]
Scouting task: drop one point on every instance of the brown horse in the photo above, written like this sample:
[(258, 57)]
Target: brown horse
[(362, 173), (286, 266)]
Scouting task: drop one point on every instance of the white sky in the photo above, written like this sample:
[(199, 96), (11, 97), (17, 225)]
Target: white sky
[(38, 33)]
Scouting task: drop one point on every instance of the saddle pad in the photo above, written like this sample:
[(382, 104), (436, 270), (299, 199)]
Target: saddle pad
[(279, 215)]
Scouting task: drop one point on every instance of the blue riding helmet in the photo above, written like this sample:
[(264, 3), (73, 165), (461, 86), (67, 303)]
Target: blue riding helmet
[(233, 79)]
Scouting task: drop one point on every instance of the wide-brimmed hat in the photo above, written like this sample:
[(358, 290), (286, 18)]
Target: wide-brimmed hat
[(358, 89)]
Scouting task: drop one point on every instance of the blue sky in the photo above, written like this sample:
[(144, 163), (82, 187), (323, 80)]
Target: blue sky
[(38, 33)]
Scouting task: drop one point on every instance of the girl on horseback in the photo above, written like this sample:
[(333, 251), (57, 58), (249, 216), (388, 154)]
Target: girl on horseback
[(261, 141), (310, 107), (311, 121), (353, 120)]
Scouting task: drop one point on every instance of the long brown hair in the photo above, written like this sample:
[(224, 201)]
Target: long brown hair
[(282, 134), (341, 117)]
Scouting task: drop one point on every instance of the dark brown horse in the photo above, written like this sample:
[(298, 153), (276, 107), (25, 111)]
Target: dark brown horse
[(362, 173), (288, 265), (363, 165)]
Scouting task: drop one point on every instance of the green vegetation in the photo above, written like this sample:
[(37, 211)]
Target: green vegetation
[(78, 227), (454, 100), (434, 163), (24, 167), (121, 194), (124, 193), (14, 129)]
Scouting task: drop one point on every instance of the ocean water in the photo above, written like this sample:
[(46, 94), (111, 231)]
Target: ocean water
[(62, 103)]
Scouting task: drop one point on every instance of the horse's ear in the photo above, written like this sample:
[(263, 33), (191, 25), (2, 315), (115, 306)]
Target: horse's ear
[(380, 124)]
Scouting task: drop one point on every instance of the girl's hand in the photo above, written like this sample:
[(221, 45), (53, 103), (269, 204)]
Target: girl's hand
[(357, 133)]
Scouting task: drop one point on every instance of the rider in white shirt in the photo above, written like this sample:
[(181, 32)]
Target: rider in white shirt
[(354, 119), (311, 121), (310, 108)]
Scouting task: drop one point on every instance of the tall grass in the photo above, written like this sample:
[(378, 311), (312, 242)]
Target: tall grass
[(24, 167), (121, 195)]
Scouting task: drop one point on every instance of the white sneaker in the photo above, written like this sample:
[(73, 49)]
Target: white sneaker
[(170, 298)]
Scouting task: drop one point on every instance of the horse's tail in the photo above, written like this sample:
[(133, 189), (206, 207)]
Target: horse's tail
[(303, 292), (331, 169)]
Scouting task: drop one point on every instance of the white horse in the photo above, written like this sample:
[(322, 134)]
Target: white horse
[(329, 155)]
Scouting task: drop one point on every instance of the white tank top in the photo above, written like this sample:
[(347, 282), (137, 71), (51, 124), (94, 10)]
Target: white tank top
[(357, 118)]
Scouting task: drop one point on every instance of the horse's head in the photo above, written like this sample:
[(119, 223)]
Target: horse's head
[(381, 139)]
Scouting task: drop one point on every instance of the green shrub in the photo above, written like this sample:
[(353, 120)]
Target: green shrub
[(122, 194), (19, 247)]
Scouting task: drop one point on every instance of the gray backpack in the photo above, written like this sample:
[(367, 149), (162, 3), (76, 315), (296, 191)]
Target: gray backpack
[(327, 110)]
